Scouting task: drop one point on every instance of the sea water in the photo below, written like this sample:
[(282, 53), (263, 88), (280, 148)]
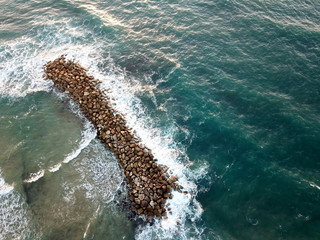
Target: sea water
[(225, 93)]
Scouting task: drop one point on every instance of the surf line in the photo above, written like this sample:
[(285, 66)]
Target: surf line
[(149, 183)]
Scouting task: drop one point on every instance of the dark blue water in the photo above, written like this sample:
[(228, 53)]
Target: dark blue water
[(226, 93)]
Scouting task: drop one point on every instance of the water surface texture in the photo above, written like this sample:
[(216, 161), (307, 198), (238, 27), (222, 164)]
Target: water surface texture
[(226, 93)]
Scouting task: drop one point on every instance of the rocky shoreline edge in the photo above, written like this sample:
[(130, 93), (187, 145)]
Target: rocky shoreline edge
[(149, 183)]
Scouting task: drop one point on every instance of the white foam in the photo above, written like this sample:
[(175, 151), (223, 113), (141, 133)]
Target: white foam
[(20, 74), (14, 217), (22, 63), (35, 176), (88, 226), (98, 178), (55, 167), (22, 59), (314, 185), (87, 136), (103, 177), (4, 187), (105, 16)]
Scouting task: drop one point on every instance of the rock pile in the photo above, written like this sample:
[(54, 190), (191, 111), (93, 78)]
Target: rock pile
[(148, 182)]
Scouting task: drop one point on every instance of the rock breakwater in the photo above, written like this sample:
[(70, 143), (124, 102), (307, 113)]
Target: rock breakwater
[(149, 183)]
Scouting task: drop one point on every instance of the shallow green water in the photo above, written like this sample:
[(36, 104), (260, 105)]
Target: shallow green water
[(226, 93)]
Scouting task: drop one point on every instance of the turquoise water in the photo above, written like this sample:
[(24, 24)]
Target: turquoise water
[(226, 93)]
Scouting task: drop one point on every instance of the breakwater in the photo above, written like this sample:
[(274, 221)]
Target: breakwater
[(149, 183)]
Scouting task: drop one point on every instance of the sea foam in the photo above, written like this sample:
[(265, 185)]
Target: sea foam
[(14, 216), (4, 187)]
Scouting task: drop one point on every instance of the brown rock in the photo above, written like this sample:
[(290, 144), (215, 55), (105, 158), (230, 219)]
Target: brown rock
[(152, 204), (144, 203), (141, 196)]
